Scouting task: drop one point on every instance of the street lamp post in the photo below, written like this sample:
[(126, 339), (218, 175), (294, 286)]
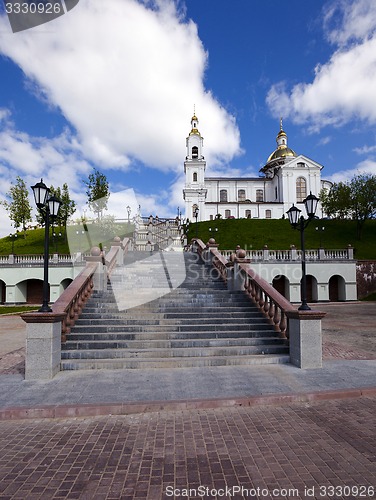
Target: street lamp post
[(195, 214), (299, 222), (13, 237), (50, 206), (129, 212)]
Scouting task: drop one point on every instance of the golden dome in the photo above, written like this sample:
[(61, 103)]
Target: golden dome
[(194, 131), (281, 152)]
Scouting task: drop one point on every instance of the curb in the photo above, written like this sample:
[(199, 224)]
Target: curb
[(102, 409)]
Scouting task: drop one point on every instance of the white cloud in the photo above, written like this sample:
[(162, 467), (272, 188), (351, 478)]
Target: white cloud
[(365, 150), (126, 77), (345, 86), (364, 167)]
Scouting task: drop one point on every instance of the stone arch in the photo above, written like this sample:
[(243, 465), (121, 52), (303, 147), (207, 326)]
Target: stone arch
[(65, 283), (282, 284), (31, 290), (337, 288)]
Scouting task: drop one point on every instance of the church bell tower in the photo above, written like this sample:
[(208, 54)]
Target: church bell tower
[(194, 191)]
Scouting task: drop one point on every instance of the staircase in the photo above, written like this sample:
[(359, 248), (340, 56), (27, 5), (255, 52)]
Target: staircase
[(199, 323)]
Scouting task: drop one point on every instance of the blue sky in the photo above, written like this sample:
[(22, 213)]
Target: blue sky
[(112, 85)]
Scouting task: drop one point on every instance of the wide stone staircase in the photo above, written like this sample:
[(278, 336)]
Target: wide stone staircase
[(170, 310)]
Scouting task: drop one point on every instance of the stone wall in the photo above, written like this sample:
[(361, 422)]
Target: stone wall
[(365, 277)]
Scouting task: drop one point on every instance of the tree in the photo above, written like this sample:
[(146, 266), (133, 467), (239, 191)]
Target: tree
[(68, 206), (355, 199), (97, 192), (18, 206)]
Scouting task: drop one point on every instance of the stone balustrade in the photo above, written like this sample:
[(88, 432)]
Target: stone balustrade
[(321, 254), (302, 329)]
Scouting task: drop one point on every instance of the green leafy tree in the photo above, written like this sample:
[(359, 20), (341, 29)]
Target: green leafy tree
[(355, 199), (97, 192), (68, 206), (18, 205)]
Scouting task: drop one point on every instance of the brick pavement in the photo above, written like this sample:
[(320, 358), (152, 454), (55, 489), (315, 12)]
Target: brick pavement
[(147, 456)]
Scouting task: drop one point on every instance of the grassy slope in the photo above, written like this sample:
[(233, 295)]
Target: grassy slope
[(278, 234), (252, 233)]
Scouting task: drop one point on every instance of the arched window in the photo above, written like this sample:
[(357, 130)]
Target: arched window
[(259, 195), (195, 152), (248, 214), (194, 210), (268, 214), (301, 189), (194, 176), (241, 195), (223, 195)]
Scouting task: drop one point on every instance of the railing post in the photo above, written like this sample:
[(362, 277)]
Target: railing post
[(305, 338), (207, 255), (294, 253), (119, 255), (350, 252), (239, 278), (43, 344), (100, 274)]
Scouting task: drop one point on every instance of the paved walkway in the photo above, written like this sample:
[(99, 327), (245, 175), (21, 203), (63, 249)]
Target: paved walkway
[(275, 431)]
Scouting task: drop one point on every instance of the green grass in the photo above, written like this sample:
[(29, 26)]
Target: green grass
[(32, 242), (248, 233), (16, 309), (279, 235), (370, 298)]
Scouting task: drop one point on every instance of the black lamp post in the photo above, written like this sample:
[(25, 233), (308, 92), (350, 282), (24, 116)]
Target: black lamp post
[(13, 237), (299, 222), (129, 212), (49, 205), (195, 214)]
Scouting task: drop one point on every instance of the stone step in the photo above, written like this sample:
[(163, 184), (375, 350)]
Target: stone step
[(137, 327), (120, 353), (158, 321), (174, 344), (186, 362), (163, 335)]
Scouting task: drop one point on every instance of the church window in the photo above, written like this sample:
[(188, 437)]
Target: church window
[(268, 214), (227, 214), (195, 152), (259, 195), (248, 214), (301, 189), (241, 195), (223, 195), (276, 192), (301, 165), (194, 176), (194, 210)]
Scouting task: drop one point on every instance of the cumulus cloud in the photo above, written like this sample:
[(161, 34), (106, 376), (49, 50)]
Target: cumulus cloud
[(365, 167), (344, 87), (126, 76)]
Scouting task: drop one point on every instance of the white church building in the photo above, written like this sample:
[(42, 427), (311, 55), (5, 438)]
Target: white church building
[(286, 178)]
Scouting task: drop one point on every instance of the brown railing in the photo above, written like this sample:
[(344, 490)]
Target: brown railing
[(73, 299), (270, 302)]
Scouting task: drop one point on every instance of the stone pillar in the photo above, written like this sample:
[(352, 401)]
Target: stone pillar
[(305, 338), (350, 252), (293, 252), (43, 345)]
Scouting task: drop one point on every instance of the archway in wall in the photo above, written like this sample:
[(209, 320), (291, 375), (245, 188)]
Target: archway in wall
[(34, 291), (3, 289), (337, 288), (282, 285), (312, 292), (65, 283)]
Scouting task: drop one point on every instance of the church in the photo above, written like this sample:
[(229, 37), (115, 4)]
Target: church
[(286, 178)]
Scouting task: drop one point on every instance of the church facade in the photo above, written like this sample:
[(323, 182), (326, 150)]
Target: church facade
[(285, 179)]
